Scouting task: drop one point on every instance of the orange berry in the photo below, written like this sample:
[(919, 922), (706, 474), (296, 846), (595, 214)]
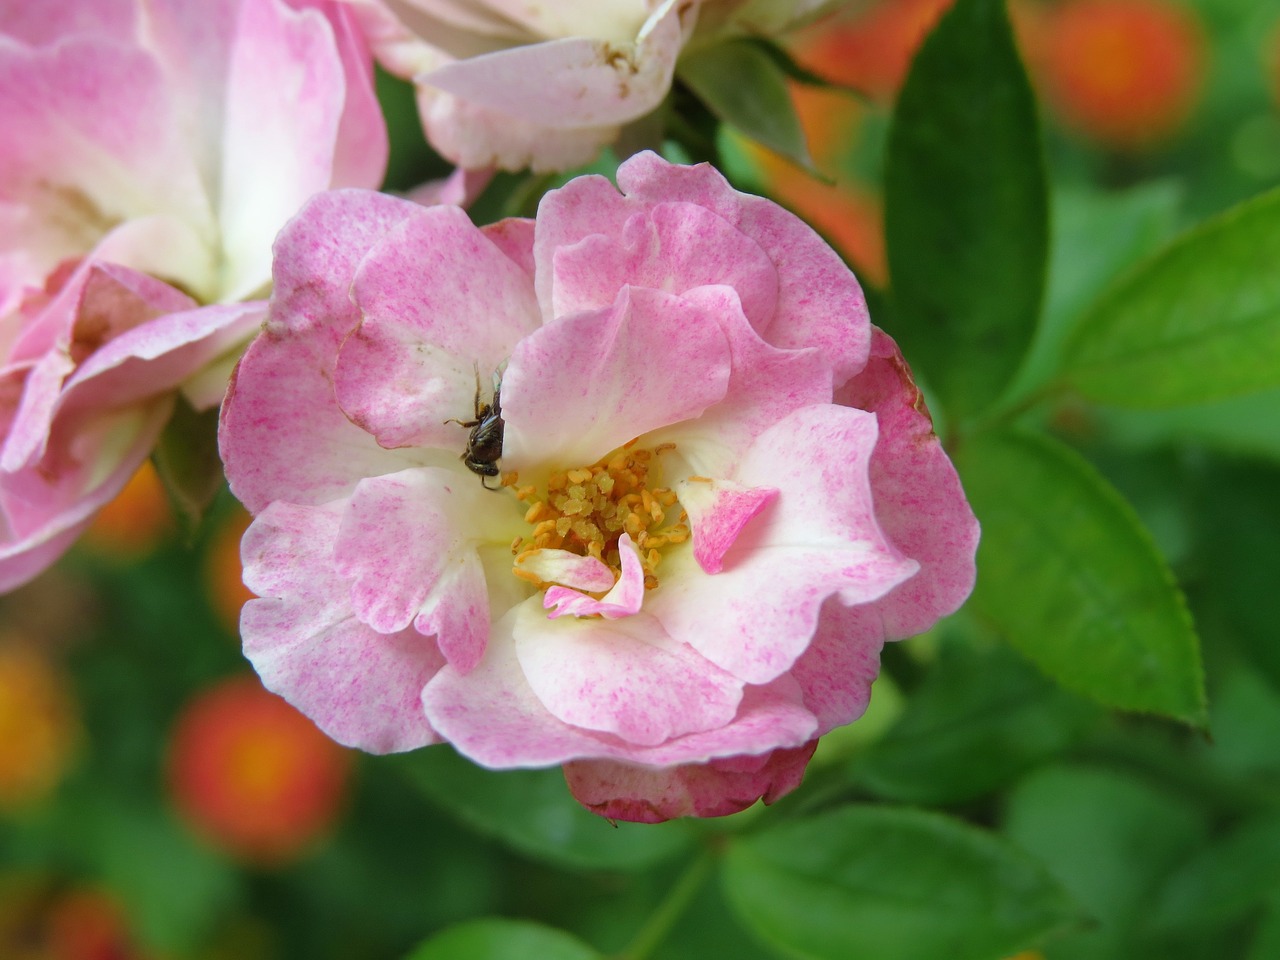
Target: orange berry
[(1124, 72), (253, 775)]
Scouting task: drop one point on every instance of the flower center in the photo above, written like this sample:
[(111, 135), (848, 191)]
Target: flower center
[(586, 510)]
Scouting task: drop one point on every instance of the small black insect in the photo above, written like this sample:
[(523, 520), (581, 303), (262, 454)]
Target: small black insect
[(484, 444)]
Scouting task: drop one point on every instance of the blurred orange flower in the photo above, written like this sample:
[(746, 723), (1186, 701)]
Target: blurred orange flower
[(1126, 73), (223, 576), (38, 726), (136, 521), (252, 775)]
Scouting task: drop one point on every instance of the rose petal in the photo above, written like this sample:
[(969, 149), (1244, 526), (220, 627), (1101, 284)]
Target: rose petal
[(588, 383), (621, 791), (621, 601), (361, 687), (817, 539), (919, 502), (625, 678), (572, 570), (838, 667), (718, 510)]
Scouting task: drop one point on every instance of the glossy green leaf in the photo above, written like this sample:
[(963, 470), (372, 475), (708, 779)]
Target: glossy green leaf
[(977, 721), (893, 884), (1071, 578), (533, 812), (1111, 839), (1199, 322), (1095, 236), (1223, 881), (966, 209), (746, 88), (499, 939)]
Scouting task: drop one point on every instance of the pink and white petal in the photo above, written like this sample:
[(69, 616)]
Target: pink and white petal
[(570, 83), (412, 362), (316, 257), (514, 237), (583, 207), (360, 155), (28, 434), (361, 687), (673, 247), (718, 510), (919, 502), (459, 189), (286, 91), (817, 539), (492, 716), (161, 354), (619, 20), (477, 137), (765, 384), (571, 569), (623, 600), (587, 383), (623, 791), (626, 678), (839, 666), (406, 542), (282, 435), (47, 22), (46, 508), (820, 303)]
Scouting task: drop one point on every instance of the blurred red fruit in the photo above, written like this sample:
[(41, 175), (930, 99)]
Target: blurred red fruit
[(1124, 72), (252, 775), (134, 523)]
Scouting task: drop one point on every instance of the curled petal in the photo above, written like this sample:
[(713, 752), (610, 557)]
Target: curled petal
[(569, 569), (621, 601), (718, 510)]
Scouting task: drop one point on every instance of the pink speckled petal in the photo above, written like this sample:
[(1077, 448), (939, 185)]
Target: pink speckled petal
[(625, 678), (571, 569), (407, 546), (50, 20), (622, 791), (918, 499), (837, 669), (286, 94), (673, 247), (818, 538), (361, 687), (573, 82), (492, 716), (360, 155), (820, 303), (282, 434), (587, 383), (623, 600), (413, 361), (514, 237), (583, 207), (718, 510)]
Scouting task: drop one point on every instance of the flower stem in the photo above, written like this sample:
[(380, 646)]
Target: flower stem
[(660, 922)]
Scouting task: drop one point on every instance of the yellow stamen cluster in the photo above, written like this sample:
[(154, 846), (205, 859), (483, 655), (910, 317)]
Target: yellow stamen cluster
[(587, 509)]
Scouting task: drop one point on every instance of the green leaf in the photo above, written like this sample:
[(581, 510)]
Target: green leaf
[(977, 721), (1225, 880), (188, 464), (1071, 578), (1095, 236), (499, 939), (1199, 322), (1110, 839), (892, 884), (966, 208), (1266, 939), (533, 812), (746, 88)]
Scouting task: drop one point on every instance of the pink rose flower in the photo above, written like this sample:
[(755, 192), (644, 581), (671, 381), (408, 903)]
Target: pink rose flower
[(155, 149), (718, 491), (546, 86)]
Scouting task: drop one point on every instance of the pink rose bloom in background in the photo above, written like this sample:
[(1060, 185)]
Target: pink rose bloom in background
[(718, 492), (545, 86), (152, 152)]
